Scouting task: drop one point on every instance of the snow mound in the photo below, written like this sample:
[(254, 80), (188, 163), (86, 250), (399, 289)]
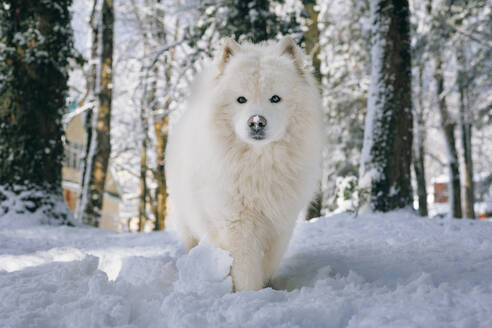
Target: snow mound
[(58, 294), (205, 270), (379, 270)]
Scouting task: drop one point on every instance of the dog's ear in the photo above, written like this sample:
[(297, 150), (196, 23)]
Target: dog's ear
[(289, 48), (229, 49)]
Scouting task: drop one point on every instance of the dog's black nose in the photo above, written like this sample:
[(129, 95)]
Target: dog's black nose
[(257, 123)]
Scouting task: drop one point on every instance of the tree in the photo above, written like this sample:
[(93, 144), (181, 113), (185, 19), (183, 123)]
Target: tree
[(467, 15), (448, 126), (252, 18), (311, 41), (469, 22), (156, 84), (253, 21), (420, 58), (452, 41), (161, 120), (419, 153), (387, 149), (344, 54), (36, 40), (465, 121), (92, 194), (448, 123), (90, 95), (311, 35), (147, 97)]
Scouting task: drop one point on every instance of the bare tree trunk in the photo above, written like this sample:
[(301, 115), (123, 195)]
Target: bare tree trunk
[(161, 128), (142, 209), (153, 26), (466, 131), (469, 182), (161, 131), (387, 150), (90, 95), (419, 152), (448, 125), (97, 160), (144, 122), (311, 36)]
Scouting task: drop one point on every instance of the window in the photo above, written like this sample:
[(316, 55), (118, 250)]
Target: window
[(73, 153)]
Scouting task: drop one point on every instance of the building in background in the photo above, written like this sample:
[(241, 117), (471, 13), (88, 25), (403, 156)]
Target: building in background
[(75, 137), (483, 196)]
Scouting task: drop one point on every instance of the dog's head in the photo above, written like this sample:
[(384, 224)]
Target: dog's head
[(259, 88)]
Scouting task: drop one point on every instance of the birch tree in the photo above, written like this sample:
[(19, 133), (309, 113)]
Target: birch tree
[(387, 148), (90, 95), (92, 193)]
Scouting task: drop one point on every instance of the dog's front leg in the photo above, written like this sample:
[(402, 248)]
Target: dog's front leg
[(246, 250)]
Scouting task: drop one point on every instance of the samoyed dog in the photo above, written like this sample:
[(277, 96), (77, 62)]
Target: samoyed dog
[(245, 157)]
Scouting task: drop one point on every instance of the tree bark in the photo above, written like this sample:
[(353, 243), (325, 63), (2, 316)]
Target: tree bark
[(90, 96), (161, 129), (466, 132), (36, 45), (146, 99), (311, 37), (387, 149), (92, 196), (448, 125), (142, 209), (419, 151), (150, 108)]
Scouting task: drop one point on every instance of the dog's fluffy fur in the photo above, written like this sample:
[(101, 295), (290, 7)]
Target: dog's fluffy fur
[(244, 195)]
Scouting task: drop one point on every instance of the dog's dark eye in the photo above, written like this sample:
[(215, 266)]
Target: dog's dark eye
[(275, 99), (241, 100)]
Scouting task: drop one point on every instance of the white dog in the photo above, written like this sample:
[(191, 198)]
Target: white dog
[(245, 158)]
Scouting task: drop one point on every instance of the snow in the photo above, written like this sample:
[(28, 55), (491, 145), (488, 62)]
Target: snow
[(376, 270), (205, 270), (443, 178)]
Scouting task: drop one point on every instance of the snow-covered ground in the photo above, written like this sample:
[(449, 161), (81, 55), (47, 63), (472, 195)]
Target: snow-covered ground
[(392, 270)]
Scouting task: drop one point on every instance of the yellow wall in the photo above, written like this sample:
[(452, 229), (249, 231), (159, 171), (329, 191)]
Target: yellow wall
[(110, 214), (75, 129), (70, 174), (75, 132)]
